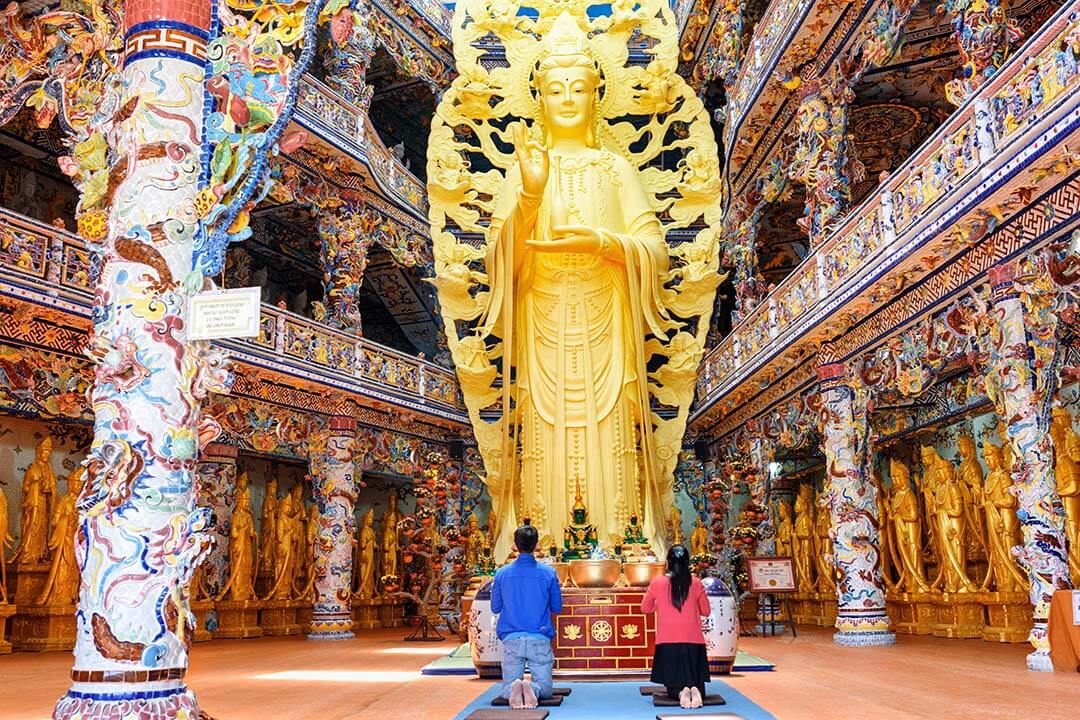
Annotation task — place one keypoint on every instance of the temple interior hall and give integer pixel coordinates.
(529, 359)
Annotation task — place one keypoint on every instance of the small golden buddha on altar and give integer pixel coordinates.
(580, 538)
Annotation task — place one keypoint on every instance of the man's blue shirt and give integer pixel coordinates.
(524, 594)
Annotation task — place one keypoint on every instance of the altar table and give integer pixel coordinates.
(602, 631)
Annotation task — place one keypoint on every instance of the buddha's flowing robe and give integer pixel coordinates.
(574, 329)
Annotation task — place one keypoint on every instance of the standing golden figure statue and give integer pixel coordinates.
(311, 533)
(804, 539)
(577, 289)
(951, 520)
(907, 525)
(675, 525)
(268, 527)
(824, 556)
(288, 539)
(7, 540)
(243, 550)
(785, 530)
(390, 537)
(1067, 473)
(699, 540)
(1003, 525)
(62, 585)
(365, 554)
(886, 552)
(473, 542)
(39, 489)
(971, 484)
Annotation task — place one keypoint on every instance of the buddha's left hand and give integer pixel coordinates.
(571, 239)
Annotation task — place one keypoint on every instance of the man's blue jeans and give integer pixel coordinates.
(517, 652)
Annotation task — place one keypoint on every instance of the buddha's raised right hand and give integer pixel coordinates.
(534, 172)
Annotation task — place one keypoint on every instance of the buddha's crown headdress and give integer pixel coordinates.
(565, 42)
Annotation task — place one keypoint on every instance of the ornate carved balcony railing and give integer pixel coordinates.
(322, 111)
(49, 266)
(1031, 105)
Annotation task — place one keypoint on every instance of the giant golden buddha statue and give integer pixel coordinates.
(576, 291)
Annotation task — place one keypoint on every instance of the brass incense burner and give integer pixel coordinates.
(562, 570)
(640, 574)
(595, 573)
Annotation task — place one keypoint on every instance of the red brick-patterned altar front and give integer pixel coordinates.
(602, 631)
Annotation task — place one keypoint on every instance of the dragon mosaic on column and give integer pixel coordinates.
(474, 118)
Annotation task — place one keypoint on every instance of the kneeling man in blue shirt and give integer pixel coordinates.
(525, 594)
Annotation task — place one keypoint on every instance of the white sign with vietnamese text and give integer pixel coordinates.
(218, 314)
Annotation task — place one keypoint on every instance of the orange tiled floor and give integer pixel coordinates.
(377, 676)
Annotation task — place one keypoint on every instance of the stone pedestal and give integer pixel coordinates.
(959, 615)
(278, 617)
(6, 611)
(366, 614)
(912, 613)
(303, 615)
(29, 582)
(38, 628)
(1008, 616)
(237, 619)
(202, 609)
(392, 613)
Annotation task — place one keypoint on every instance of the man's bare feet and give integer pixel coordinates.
(684, 698)
(528, 695)
(516, 697)
(695, 697)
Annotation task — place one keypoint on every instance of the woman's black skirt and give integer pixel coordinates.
(680, 665)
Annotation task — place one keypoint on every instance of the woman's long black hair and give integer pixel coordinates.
(678, 569)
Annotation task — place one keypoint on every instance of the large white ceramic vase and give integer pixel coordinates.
(721, 628)
(484, 644)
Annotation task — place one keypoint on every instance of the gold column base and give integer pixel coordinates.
(365, 613)
(6, 611)
(40, 628)
(1008, 616)
(802, 609)
(304, 613)
(278, 617)
(912, 613)
(392, 613)
(29, 582)
(959, 615)
(824, 609)
(238, 619)
(200, 609)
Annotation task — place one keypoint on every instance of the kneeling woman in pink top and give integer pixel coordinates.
(680, 662)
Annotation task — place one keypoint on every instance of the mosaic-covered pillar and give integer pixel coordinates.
(861, 618)
(333, 485)
(215, 489)
(822, 160)
(985, 34)
(141, 534)
(344, 248)
(1021, 374)
(349, 49)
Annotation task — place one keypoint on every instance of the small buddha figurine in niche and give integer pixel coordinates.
(699, 540)
(633, 534)
(1002, 524)
(365, 553)
(39, 489)
(907, 524)
(243, 549)
(579, 539)
(675, 524)
(62, 585)
(1067, 474)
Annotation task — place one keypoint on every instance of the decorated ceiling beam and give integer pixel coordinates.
(416, 34)
(711, 44)
(986, 35)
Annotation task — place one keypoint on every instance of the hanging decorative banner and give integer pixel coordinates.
(219, 314)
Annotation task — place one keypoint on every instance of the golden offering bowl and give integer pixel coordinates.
(595, 573)
(562, 570)
(640, 574)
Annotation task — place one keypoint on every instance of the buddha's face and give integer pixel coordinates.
(567, 96)
(579, 516)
